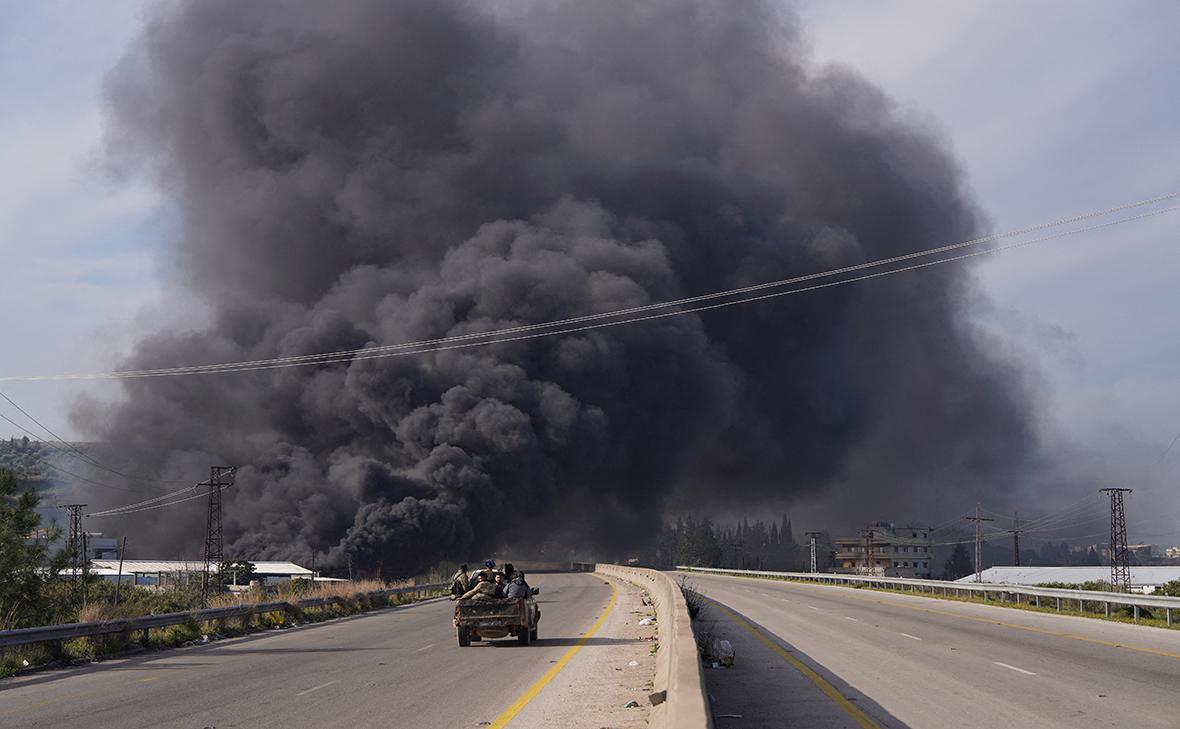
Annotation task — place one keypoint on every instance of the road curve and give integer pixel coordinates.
(826, 656)
(395, 668)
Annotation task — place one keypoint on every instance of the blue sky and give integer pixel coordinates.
(1051, 107)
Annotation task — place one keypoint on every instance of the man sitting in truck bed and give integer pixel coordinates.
(518, 588)
(484, 589)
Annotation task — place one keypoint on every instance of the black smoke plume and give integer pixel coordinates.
(373, 172)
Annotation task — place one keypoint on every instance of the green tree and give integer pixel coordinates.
(959, 564)
(696, 544)
(237, 572)
(1171, 589)
(24, 564)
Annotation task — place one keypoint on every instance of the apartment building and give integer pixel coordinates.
(885, 549)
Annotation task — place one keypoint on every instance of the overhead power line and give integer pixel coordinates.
(123, 510)
(562, 326)
(148, 508)
(145, 502)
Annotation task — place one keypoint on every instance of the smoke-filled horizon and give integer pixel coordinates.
(379, 172)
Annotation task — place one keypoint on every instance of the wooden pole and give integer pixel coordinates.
(119, 577)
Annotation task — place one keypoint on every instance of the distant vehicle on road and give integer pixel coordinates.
(498, 618)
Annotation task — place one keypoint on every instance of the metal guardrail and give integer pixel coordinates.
(69, 631)
(944, 587)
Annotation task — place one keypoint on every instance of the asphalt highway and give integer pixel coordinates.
(395, 668)
(828, 656)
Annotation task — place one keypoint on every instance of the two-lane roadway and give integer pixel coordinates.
(812, 655)
(394, 668)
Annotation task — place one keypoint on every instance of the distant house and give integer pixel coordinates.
(886, 550)
(1142, 552)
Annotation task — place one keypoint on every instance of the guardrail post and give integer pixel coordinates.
(1038, 599)
(1059, 604)
(1136, 612)
(1168, 613)
(1106, 605)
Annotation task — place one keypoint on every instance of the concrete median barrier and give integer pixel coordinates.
(678, 664)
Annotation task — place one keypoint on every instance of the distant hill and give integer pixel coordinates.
(26, 457)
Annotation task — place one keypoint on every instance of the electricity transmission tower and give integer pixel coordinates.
(74, 542)
(813, 535)
(220, 478)
(978, 540)
(1120, 557)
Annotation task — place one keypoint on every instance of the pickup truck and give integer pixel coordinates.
(485, 619)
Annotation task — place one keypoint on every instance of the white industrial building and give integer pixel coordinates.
(158, 572)
(1143, 579)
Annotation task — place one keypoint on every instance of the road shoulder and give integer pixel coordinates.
(597, 685)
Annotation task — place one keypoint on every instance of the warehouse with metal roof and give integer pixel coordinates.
(1143, 579)
(155, 572)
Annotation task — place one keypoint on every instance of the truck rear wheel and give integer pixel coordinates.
(464, 636)
(523, 636)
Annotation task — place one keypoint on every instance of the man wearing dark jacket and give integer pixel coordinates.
(518, 588)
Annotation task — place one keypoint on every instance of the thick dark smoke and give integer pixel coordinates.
(376, 172)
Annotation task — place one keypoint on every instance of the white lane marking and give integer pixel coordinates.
(425, 648)
(784, 599)
(316, 688)
(813, 607)
(1014, 668)
(911, 637)
(852, 619)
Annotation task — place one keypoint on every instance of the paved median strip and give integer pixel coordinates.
(857, 714)
(518, 706)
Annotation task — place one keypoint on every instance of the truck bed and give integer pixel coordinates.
(492, 613)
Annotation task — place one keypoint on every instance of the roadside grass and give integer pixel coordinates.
(347, 598)
(1122, 615)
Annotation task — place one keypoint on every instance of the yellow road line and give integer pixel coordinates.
(518, 706)
(991, 621)
(858, 715)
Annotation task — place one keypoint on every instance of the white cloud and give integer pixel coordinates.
(78, 251)
(1055, 108)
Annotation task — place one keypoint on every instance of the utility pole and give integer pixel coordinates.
(870, 563)
(1120, 557)
(119, 577)
(220, 478)
(813, 535)
(1015, 539)
(74, 541)
(85, 563)
(978, 540)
